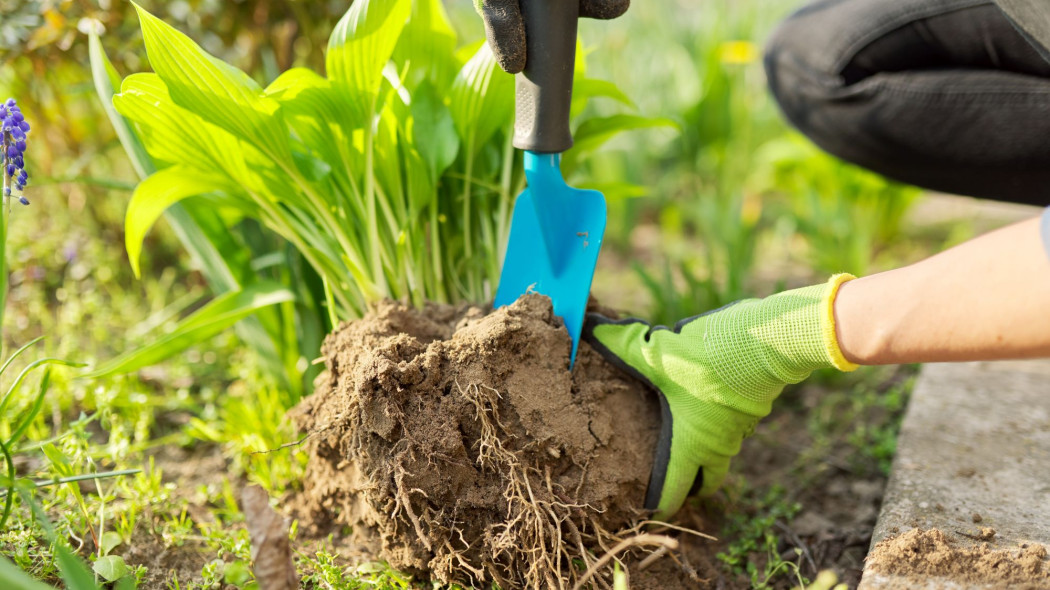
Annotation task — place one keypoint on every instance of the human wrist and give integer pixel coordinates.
(829, 327)
(866, 313)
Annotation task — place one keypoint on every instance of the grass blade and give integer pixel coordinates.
(7, 363)
(75, 572)
(10, 477)
(25, 373)
(43, 483)
(13, 578)
(38, 402)
(107, 80)
(218, 315)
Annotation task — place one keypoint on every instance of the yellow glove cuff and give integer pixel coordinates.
(831, 339)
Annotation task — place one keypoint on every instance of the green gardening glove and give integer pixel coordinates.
(505, 29)
(717, 375)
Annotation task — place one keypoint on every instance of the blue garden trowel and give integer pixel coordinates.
(556, 231)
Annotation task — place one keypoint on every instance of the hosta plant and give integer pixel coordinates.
(391, 175)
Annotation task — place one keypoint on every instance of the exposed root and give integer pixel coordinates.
(641, 540)
(477, 458)
(663, 526)
(543, 528)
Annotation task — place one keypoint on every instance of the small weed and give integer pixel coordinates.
(865, 413)
(251, 424)
(751, 524)
(323, 570)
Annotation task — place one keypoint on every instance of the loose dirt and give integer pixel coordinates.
(923, 554)
(458, 446)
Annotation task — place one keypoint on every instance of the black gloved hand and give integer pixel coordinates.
(505, 29)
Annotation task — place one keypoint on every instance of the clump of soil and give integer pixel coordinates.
(458, 445)
(928, 553)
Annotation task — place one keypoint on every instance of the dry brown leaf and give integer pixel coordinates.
(271, 550)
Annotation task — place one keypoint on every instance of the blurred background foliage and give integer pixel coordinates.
(733, 203)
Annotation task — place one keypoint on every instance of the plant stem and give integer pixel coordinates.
(468, 244)
(440, 293)
(278, 222)
(43, 483)
(378, 276)
(323, 209)
(329, 301)
(502, 215)
(10, 485)
(5, 210)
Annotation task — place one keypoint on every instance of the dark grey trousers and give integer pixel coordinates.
(944, 94)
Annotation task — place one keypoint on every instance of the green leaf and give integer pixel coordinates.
(585, 89)
(59, 461)
(293, 82)
(592, 133)
(13, 578)
(616, 190)
(322, 117)
(200, 245)
(154, 195)
(110, 541)
(237, 573)
(211, 88)
(218, 315)
(311, 167)
(175, 135)
(481, 99)
(433, 131)
(427, 47)
(170, 133)
(360, 47)
(111, 567)
(106, 81)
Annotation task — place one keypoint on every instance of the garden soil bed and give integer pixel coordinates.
(456, 446)
(398, 360)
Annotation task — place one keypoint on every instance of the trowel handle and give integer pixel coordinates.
(544, 89)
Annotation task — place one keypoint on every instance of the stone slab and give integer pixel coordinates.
(975, 441)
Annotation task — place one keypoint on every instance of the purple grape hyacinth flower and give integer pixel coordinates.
(13, 132)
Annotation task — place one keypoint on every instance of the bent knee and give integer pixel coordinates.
(804, 59)
(798, 86)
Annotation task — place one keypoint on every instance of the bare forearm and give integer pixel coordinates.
(986, 299)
